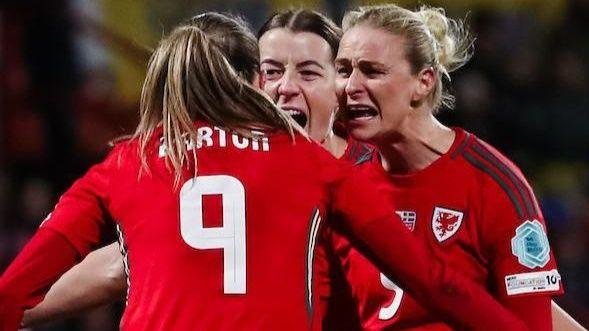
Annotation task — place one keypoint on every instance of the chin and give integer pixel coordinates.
(362, 134)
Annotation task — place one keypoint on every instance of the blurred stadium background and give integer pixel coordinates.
(71, 70)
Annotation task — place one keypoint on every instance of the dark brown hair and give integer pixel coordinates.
(304, 20)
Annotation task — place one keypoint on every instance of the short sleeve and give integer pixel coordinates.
(80, 214)
(522, 262)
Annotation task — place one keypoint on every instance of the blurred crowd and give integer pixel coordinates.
(70, 74)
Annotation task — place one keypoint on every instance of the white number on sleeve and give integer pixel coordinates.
(230, 237)
(386, 313)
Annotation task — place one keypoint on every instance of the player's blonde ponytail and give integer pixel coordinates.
(203, 71)
(453, 44)
(432, 39)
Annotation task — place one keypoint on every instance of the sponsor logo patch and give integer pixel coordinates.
(530, 245)
(446, 222)
(408, 217)
(533, 282)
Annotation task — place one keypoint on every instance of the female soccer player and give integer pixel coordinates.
(297, 51)
(297, 48)
(218, 210)
(469, 203)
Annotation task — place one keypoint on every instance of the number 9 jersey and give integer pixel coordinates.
(230, 249)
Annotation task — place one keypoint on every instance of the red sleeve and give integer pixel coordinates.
(72, 230)
(362, 199)
(24, 284)
(80, 215)
(523, 271)
(322, 284)
(340, 311)
(515, 237)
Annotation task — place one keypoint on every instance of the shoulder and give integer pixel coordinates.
(122, 153)
(498, 176)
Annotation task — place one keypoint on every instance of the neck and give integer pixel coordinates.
(420, 142)
(335, 145)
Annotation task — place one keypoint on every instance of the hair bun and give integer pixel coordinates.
(452, 41)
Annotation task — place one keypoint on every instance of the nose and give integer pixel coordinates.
(354, 86)
(288, 87)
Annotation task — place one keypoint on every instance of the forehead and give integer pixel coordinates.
(363, 42)
(283, 45)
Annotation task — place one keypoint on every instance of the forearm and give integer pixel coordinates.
(27, 279)
(459, 300)
(99, 279)
(561, 321)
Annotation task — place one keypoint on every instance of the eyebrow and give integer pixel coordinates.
(309, 63)
(365, 63)
(273, 62)
(361, 63)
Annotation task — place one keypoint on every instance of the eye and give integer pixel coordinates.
(309, 74)
(272, 73)
(371, 71)
(343, 71)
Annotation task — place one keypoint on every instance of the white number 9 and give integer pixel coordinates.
(230, 237)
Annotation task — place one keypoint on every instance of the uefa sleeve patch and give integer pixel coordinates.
(530, 245)
(533, 282)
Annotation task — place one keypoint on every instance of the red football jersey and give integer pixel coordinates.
(475, 210)
(232, 249)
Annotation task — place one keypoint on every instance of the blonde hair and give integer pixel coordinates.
(203, 71)
(432, 40)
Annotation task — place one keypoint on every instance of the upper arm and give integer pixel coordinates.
(82, 212)
(522, 265)
(363, 195)
(522, 262)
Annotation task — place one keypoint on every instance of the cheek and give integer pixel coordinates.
(321, 99)
(392, 95)
(271, 88)
(340, 87)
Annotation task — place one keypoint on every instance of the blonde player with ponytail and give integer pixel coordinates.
(467, 202)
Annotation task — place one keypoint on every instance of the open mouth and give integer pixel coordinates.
(360, 112)
(298, 116)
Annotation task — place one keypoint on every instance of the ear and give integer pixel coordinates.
(426, 81)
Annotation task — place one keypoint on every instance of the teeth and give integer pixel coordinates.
(360, 108)
(293, 112)
(361, 112)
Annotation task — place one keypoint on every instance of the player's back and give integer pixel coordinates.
(230, 249)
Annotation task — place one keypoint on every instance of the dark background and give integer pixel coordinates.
(71, 71)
